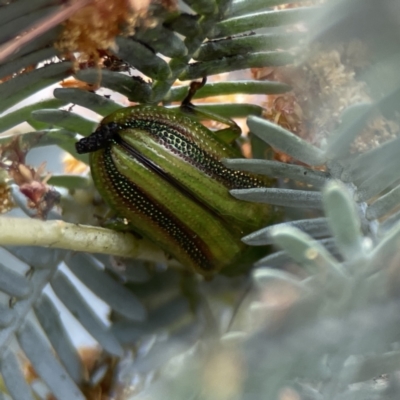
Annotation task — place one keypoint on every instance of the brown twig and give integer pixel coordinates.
(40, 27)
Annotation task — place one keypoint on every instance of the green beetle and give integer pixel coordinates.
(161, 170)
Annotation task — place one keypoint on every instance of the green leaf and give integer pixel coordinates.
(132, 87)
(235, 63)
(24, 85)
(143, 59)
(286, 141)
(99, 104)
(22, 114)
(263, 19)
(65, 119)
(70, 181)
(343, 220)
(227, 88)
(231, 46)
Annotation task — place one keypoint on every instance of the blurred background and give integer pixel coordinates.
(315, 88)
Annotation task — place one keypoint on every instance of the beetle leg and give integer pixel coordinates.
(228, 135)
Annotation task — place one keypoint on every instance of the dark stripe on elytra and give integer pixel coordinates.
(137, 200)
(152, 166)
(189, 151)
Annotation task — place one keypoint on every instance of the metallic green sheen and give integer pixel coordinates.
(182, 201)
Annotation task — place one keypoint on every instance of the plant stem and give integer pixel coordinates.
(63, 235)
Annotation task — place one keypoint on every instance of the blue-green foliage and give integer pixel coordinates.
(317, 320)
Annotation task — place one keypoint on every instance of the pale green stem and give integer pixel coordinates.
(75, 237)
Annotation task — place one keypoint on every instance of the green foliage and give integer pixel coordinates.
(318, 318)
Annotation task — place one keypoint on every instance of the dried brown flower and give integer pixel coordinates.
(32, 182)
(6, 203)
(92, 30)
(324, 85)
(95, 27)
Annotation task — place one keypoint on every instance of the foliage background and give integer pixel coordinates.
(317, 319)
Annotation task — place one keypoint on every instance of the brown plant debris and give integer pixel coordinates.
(93, 29)
(324, 84)
(32, 182)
